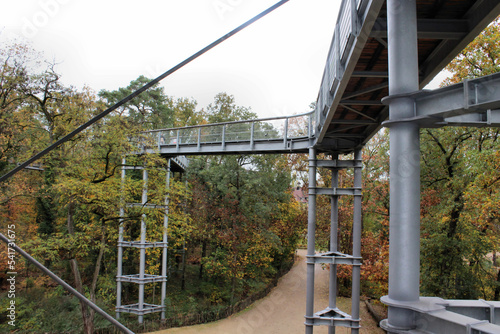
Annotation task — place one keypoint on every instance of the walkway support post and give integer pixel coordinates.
(142, 260)
(119, 268)
(334, 242)
(404, 231)
(165, 241)
(356, 241)
(311, 239)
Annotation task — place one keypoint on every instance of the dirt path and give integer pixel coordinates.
(282, 311)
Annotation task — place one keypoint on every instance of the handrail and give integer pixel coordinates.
(346, 30)
(279, 128)
(232, 122)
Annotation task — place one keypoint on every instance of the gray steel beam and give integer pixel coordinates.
(366, 90)
(361, 102)
(345, 136)
(470, 96)
(180, 163)
(142, 256)
(357, 112)
(335, 258)
(165, 241)
(369, 74)
(244, 147)
(311, 241)
(428, 28)
(436, 315)
(356, 243)
(479, 16)
(334, 230)
(353, 122)
(339, 164)
(404, 231)
(477, 309)
(119, 269)
(338, 191)
(337, 144)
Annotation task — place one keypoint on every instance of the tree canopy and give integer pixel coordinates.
(67, 210)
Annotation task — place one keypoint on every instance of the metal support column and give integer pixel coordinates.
(356, 242)
(142, 308)
(165, 241)
(332, 316)
(142, 260)
(119, 269)
(334, 247)
(311, 240)
(404, 233)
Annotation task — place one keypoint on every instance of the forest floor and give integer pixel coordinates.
(282, 311)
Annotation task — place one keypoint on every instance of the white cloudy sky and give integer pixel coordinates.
(274, 66)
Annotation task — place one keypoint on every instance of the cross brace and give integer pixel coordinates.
(428, 28)
(473, 102)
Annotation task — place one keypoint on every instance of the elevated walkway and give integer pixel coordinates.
(349, 108)
(352, 105)
(289, 134)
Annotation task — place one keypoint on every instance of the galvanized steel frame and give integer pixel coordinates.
(331, 316)
(141, 308)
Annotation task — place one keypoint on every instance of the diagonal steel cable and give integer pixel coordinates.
(65, 285)
(139, 91)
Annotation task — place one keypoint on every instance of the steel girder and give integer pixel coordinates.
(436, 315)
(474, 102)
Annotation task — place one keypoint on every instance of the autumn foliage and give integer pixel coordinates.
(233, 223)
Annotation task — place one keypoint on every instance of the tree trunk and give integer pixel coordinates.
(96, 275)
(233, 288)
(203, 254)
(497, 288)
(183, 282)
(87, 317)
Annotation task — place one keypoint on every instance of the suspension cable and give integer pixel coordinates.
(139, 91)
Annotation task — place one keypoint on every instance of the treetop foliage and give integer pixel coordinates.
(235, 222)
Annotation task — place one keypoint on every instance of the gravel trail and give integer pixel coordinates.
(282, 311)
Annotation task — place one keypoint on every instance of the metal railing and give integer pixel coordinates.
(346, 30)
(249, 131)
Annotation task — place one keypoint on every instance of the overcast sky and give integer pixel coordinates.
(274, 66)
